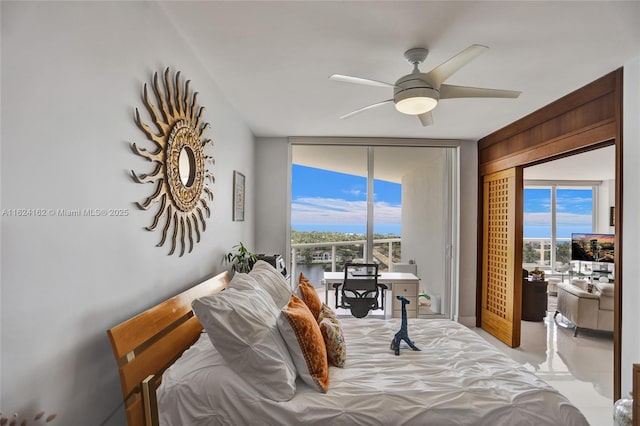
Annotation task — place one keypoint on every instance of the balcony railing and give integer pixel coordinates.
(544, 258)
(333, 258)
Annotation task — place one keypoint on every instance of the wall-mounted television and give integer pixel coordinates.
(592, 247)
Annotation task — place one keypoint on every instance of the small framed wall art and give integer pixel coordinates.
(238, 196)
(612, 216)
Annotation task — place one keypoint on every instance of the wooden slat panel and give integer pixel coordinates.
(500, 291)
(130, 334)
(159, 354)
(497, 326)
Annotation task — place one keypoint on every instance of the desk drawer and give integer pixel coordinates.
(405, 289)
(412, 306)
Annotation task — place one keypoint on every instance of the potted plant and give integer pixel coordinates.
(241, 260)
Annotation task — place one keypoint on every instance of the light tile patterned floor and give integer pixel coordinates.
(581, 367)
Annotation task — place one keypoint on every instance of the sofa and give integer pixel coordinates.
(586, 310)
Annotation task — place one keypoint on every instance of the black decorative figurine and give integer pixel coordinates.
(402, 334)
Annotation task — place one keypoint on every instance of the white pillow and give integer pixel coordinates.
(242, 325)
(273, 281)
(245, 282)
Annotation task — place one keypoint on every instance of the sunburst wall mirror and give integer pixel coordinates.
(180, 175)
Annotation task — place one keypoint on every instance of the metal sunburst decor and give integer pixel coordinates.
(180, 173)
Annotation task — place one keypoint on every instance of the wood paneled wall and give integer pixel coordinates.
(581, 119)
(585, 119)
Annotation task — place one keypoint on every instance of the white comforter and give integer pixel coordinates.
(457, 379)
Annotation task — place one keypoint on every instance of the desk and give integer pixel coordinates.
(400, 283)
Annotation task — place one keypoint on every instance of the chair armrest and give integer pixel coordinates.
(383, 286)
(336, 285)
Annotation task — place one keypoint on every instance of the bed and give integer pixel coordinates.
(181, 378)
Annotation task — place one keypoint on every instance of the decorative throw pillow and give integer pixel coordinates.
(273, 281)
(242, 324)
(310, 296)
(326, 312)
(334, 341)
(302, 334)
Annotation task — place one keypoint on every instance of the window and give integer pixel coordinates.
(552, 212)
(382, 204)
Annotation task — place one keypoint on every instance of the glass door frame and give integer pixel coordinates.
(452, 234)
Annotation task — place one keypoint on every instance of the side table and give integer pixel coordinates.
(534, 300)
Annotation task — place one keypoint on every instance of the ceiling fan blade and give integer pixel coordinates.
(443, 71)
(358, 111)
(448, 92)
(426, 119)
(358, 80)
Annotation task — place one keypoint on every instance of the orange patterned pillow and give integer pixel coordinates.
(306, 345)
(310, 296)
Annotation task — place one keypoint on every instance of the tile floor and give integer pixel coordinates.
(581, 367)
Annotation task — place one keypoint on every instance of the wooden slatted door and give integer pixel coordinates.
(502, 255)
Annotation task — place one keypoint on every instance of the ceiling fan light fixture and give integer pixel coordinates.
(415, 100)
(416, 105)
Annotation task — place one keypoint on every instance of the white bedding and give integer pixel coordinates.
(457, 379)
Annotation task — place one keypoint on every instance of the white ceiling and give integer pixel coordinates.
(599, 164)
(390, 163)
(273, 59)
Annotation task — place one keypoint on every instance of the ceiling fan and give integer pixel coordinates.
(418, 93)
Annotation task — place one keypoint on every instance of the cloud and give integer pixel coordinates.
(541, 219)
(354, 192)
(340, 211)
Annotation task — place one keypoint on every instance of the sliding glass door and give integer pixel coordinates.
(391, 205)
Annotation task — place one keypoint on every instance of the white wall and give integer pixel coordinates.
(606, 199)
(423, 222)
(631, 231)
(72, 74)
(272, 196)
(468, 233)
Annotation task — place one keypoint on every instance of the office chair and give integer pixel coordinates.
(360, 291)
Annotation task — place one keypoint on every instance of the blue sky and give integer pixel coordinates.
(573, 212)
(330, 201)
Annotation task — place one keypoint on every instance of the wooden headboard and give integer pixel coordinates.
(145, 345)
